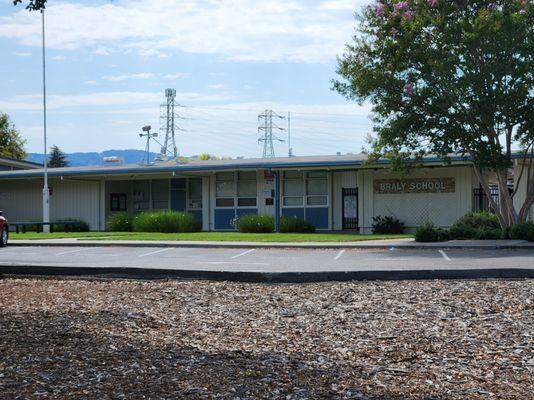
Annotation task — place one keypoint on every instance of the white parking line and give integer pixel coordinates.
(339, 254)
(445, 256)
(73, 251)
(156, 252)
(231, 262)
(242, 254)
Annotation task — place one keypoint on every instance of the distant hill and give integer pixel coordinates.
(84, 159)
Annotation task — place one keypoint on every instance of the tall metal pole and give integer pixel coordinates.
(46, 191)
(290, 150)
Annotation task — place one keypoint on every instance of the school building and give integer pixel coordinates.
(334, 193)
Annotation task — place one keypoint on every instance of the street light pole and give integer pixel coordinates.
(46, 191)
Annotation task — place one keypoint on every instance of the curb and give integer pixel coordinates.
(26, 271)
(274, 245)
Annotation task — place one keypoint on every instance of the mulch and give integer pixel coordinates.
(119, 339)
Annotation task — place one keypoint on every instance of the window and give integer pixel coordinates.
(305, 189)
(240, 192)
(224, 189)
(316, 189)
(246, 189)
(293, 189)
(195, 194)
(118, 202)
(160, 194)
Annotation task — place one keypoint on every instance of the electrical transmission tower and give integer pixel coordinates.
(265, 129)
(168, 119)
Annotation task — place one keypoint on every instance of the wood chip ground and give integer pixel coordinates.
(117, 339)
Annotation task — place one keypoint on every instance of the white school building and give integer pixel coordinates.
(334, 193)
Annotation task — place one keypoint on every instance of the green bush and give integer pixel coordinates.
(477, 225)
(430, 233)
(387, 225)
(166, 222)
(252, 223)
(295, 225)
(120, 222)
(80, 226)
(523, 231)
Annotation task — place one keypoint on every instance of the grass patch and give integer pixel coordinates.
(210, 236)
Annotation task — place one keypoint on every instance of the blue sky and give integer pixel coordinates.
(109, 62)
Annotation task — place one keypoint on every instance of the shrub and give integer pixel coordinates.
(120, 222)
(295, 225)
(252, 223)
(430, 233)
(523, 231)
(166, 222)
(477, 225)
(387, 225)
(79, 226)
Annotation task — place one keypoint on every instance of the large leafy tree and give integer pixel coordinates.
(11, 143)
(449, 77)
(57, 158)
(33, 5)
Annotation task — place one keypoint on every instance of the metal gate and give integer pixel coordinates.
(350, 208)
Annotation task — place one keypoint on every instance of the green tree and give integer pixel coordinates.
(11, 143)
(33, 5)
(57, 158)
(448, 77)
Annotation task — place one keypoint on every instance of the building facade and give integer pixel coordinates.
(334, 193)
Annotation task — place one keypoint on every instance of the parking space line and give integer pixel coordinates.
(231, 263)
(73, 251)
(445, 256)
(339, 254)
(244, 253)
(156, 252)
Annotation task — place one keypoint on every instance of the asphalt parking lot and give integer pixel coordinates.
(266, 260)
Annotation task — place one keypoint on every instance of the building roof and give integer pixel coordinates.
(347, 161)
(14, 163)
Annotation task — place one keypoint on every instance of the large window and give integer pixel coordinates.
(224, 189)
(195, 194)
(305, 188)
(118, 202)
(317, 189)
(293, 188)
(160, 194)
(233, 189)
(246, 189)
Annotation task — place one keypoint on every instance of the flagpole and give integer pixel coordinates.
(46, 191)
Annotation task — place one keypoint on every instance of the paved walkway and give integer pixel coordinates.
(267, 265)
(364, 244)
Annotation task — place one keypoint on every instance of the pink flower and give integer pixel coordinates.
(493, 7)
(432, 3)
(393, 31)
(380, 9)
(522, 12)
(408, 15)
(400, 6)
(408, 89)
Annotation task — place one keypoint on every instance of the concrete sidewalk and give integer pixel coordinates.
(365, 244)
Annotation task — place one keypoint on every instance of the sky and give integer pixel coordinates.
(109, 63)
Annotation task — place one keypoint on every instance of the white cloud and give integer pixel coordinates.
(22, 54)
(217, 86)
(277, 30)
(59, 58)
(153, 53)
(176, 76)
(142, 75)
(101, 51)
(104, 99)
(90, 82)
